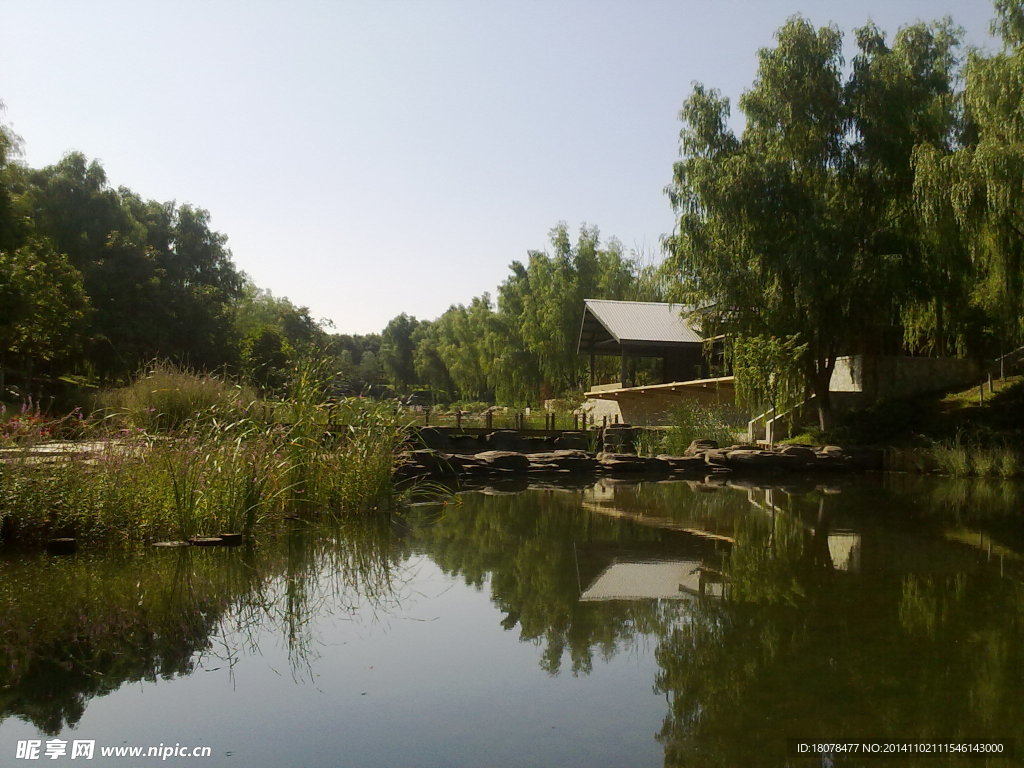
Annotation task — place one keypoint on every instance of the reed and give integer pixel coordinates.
(952, 458)
(961, 459)
(210, 474)
(690, 421)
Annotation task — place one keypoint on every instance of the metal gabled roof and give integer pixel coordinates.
(609, 325)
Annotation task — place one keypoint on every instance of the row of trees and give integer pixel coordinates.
(98, 281)
(872, 209)
(521, 348)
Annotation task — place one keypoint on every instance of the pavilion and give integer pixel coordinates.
(691, 364)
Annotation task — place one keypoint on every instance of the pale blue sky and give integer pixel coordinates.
(372, 158)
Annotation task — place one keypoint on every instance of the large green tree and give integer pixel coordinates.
(523, 349)
(161, 281)
(42, 306)
(977, 190)
(397, 350)
(800, 228)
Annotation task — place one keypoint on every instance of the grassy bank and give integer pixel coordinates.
(177, 455)
(966, 432)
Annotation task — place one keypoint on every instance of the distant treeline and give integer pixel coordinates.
(96, 282)
(522, 348)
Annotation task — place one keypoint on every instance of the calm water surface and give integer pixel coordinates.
(615, 624)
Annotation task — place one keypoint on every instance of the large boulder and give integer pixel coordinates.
(801, 453)
(464, 444)
(714, 456)
(432, 437)
(763, 461)
(535, 444)
(630, 463)
(621, 463)
(470, 465)
(579, 441)
(568, 460)
(685, 463)
(504, 460)
(503, 440)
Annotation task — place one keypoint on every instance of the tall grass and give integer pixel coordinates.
(691, 421)
(959, 458)
(952, 458)
(166, 398)
(210, 474)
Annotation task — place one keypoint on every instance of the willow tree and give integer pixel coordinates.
(982, 182)
(760, 243)
(397, 351)
(902, 100)
(799, 228)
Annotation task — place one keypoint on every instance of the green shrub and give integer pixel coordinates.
(1010, 464)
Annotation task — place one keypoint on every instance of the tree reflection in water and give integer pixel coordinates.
(801, 649)
(75, 628)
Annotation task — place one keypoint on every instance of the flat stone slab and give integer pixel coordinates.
(505, 460)
(685, 463)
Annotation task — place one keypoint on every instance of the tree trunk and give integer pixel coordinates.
(825, 419)
(820, 380)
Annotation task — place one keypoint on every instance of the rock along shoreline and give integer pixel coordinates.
(505, 453)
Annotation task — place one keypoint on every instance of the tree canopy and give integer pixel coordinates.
(521, 347)
(826, 223)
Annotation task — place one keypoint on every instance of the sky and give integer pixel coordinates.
(371, 158)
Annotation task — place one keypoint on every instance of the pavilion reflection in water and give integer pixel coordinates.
(660, 580)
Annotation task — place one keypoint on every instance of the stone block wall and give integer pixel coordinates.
(880, 378)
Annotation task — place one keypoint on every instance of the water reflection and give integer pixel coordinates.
(80, 627)
(857, 609)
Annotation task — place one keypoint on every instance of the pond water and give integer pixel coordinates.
(611, 624)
